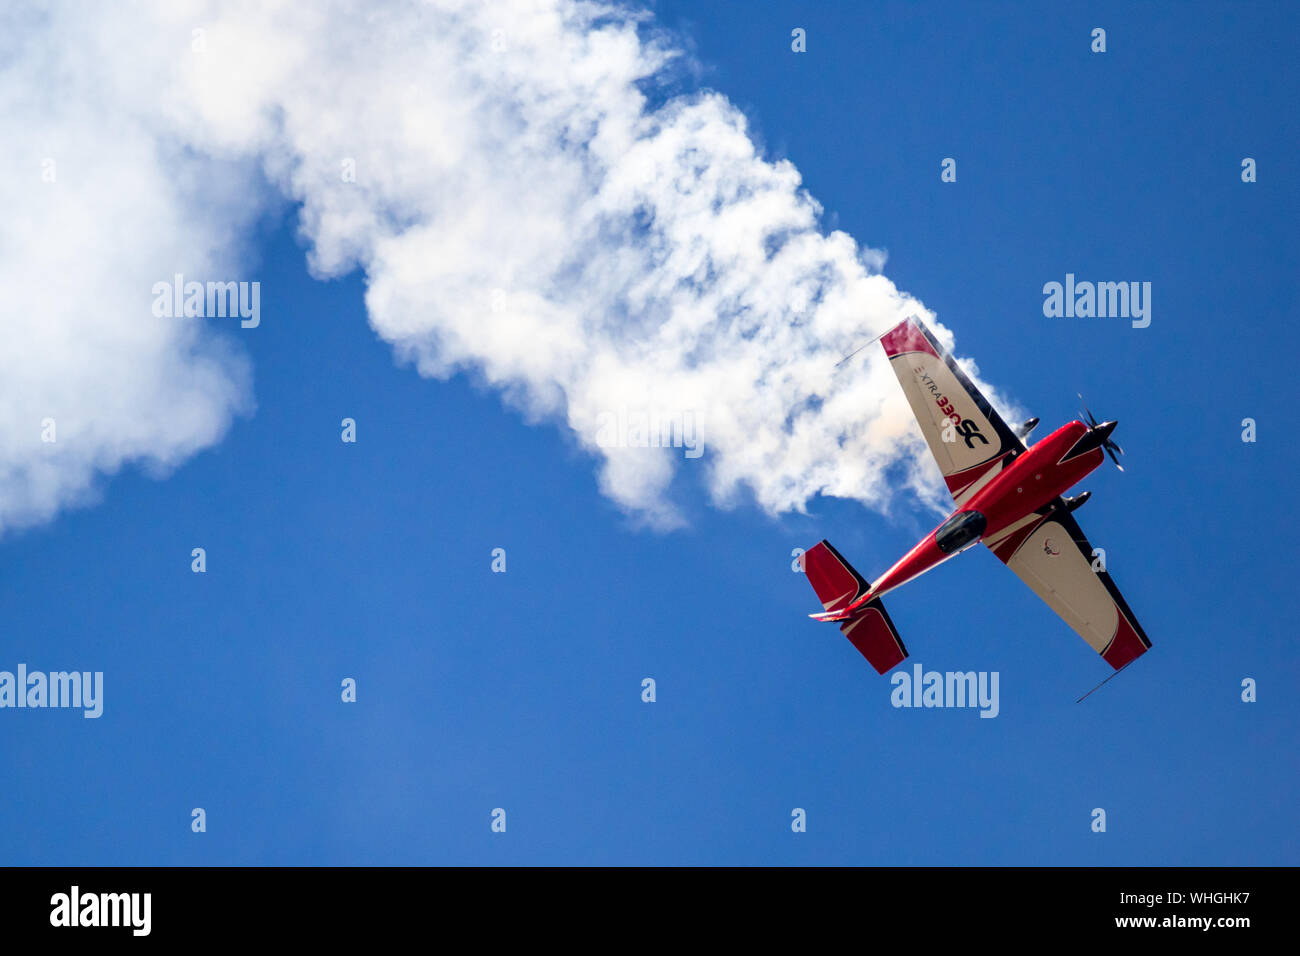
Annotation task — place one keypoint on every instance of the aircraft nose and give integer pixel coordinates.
(1105, 428)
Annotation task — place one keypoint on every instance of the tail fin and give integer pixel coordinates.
(838, 585)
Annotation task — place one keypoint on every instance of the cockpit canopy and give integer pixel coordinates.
(961, 529)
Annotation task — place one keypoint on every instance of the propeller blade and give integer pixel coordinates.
(1111, 446)
(1092, 422)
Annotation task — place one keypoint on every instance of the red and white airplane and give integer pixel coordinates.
(1008, 496)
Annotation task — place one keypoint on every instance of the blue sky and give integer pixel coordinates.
(522, 690)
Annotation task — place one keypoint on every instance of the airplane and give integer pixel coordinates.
(1008, 496)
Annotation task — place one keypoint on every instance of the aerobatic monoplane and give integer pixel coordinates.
(1008, 496)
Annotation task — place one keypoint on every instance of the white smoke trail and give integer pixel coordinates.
(520, 207)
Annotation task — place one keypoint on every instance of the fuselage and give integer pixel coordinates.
(1026, 481)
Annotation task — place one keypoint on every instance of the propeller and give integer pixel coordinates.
(1110, 445)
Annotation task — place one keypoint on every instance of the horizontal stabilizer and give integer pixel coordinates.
(836, 583)
(874, 635)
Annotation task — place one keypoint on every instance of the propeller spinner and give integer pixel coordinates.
(1111, 446)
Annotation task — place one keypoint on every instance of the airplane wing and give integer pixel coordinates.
(978, 443)
(1049, 552)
